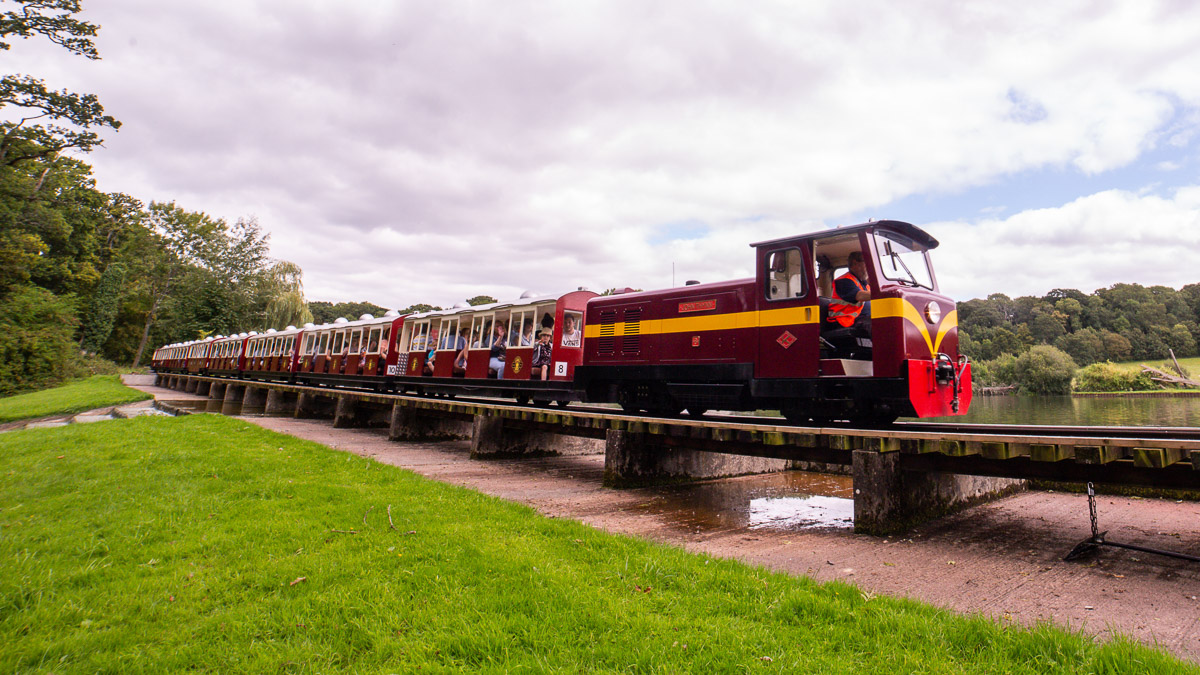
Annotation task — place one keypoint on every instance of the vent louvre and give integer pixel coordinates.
(631, 338)
(607, 342)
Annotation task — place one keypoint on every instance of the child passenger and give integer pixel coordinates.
(541, 355)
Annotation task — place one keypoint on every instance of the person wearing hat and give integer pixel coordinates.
(541, 355)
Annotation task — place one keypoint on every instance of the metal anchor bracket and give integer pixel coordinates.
(1097, 540)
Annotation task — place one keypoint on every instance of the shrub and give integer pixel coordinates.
(997, 372)
(37, 340)
(1045, 370)
(1107, 376)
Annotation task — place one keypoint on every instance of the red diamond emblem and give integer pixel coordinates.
(786, 339)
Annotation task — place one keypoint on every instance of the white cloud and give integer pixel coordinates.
(430, 151)
(1093, 242)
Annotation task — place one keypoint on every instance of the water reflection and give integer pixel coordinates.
(784, 513)
(1069, 410)
(788, 500)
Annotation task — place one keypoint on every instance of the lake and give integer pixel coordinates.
(1068, 410)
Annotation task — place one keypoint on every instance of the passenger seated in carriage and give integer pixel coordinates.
(496, 357)
(542, 355)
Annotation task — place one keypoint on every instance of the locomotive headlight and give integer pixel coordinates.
(933, 313)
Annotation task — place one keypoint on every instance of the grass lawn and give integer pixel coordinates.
(1191, 364)
(206, 543)
(97, 391)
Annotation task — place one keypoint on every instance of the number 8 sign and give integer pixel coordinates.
(560, 368)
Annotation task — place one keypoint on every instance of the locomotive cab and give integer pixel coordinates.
(883, 328)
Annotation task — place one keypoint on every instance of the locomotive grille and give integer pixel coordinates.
(608, 343)
(631, 338)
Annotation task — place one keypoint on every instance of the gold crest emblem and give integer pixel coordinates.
(517, 365)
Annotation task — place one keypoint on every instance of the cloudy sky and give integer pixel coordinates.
(408, 152)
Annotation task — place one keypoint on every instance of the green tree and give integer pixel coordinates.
(1085, 346)
(26, 139)
(327, 312)
(1045, 370)
(102, 310)
(286, 305)
(37, 339)
(481, 300)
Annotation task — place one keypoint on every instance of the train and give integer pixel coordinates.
(769, 342)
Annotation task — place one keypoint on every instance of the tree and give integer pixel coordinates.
(327, 312)
(1085, 346)
(23, 140)
(419, 308)
(481, 300)
(1045, 370)
(106, 300)
(37, 339)
(286, 306)
(176, 241)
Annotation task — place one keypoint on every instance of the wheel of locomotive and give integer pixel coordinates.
(696, 411)
(797, 415)
(627, 399)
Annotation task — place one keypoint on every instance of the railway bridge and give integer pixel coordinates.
(903, 475)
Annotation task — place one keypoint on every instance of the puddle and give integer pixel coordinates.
(791, 500)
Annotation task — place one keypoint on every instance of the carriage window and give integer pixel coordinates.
(521, 331)
(355, 341)
(324, 346)
(290, 346)
(785, 275)
(903, 260)
(384, 341)
(572, 335)
(481, 331)
(421, 333)
(373, 342)
(336, 347)
(449, 333)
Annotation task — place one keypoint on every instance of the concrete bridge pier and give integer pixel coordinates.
(492, 438)
(216, 397)
(191, 385)
(254, 401)
(202, 387)
(310, 406)
(410, 424)
(160, 379)
(280, 402)
(637, 459)
(234, 393)
(890, 500)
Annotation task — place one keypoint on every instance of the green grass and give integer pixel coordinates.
(206, 543)
(1191, 364)
(97, 391)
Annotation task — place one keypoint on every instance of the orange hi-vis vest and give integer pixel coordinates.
(844, 313)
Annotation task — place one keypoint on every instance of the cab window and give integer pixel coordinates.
(785, 275)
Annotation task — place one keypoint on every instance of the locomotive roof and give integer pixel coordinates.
(907, 229)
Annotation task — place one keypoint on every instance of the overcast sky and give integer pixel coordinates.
(407, 152)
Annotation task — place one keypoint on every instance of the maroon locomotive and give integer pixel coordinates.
(782, 340)
(768, 342)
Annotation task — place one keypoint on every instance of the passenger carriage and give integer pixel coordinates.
(358, 353)
(225, 355)
(767, 343)
(271, 355)
(459, 342)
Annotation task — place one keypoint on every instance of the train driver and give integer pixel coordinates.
(853, 295)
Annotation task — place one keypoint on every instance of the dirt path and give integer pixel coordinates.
(1002, 559)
